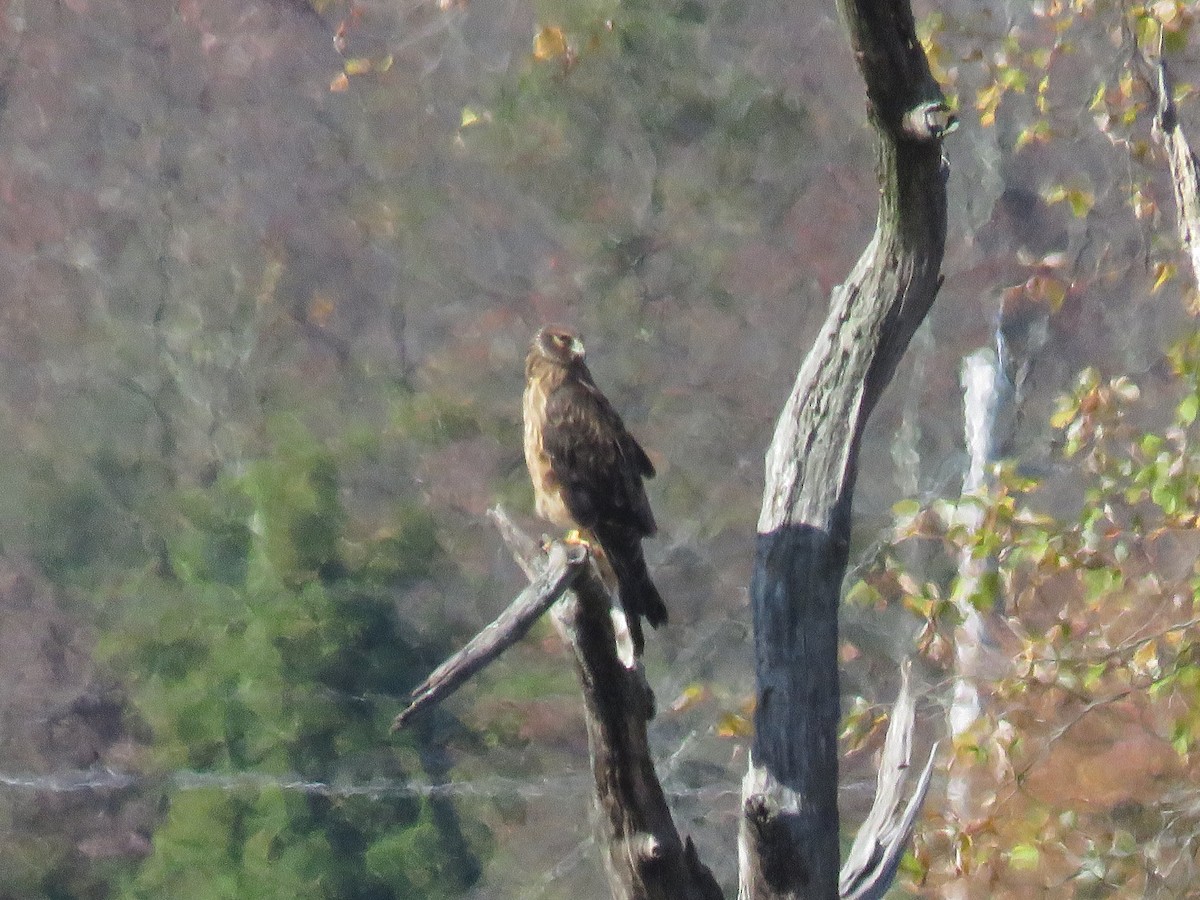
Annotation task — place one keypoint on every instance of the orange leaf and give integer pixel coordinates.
(320, 309)
(549, 43)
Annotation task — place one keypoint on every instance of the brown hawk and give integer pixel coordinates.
(587, 470)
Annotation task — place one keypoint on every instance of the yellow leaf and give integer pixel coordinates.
(320, 309)
(986, 101)
(1081, 202)
(732, 725)
(691, 695)
(1054, 292)
(1146, 658)
(357, 66)
(549, 43)
(1039, 131)
(1163, 272)
(1065, 414)
(1024, 857)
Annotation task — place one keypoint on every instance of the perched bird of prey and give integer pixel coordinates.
(587, 470)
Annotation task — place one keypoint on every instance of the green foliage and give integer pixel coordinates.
(263, 650)
(78, 530)
(1103, 614)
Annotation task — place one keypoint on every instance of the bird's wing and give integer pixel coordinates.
(598, 463)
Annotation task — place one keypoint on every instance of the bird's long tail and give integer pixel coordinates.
(639, 596)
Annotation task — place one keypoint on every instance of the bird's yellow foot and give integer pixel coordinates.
(575, 536)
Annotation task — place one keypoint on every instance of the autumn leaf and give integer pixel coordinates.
(1038, 132)
(1079, 199)
(549, 43)
(320, 310)
(987, 101)
(1145, 660)
(732, 725)
(1024, 856)
(1163, 272)
(692, 695)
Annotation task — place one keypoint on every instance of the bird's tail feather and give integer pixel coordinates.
(639, 596)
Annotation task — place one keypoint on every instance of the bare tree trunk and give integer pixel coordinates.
(989, 399)
(789, 843)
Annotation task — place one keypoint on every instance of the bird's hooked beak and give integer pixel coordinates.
(577, 350)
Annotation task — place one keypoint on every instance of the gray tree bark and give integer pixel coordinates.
(789, 842)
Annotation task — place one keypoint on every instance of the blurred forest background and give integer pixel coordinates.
(269, 273)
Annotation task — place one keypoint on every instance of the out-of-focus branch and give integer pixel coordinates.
(873, 859)
(1185, 169)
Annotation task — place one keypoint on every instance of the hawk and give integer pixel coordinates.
(587, 469)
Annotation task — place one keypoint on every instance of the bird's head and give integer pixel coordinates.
(559, 344)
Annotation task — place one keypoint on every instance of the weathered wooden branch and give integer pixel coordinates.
(644, 854)
(645, 857)
(789, 838)
(562, 567)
